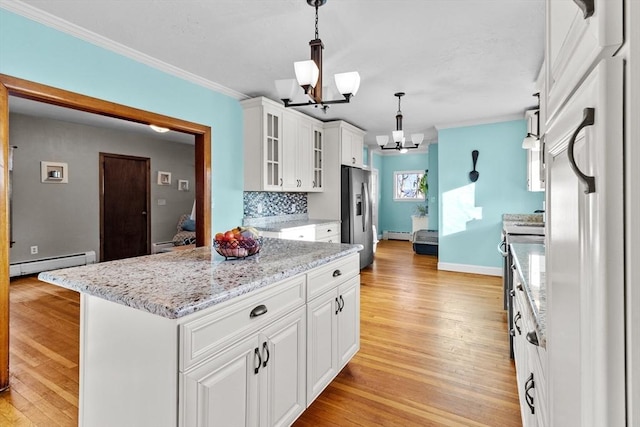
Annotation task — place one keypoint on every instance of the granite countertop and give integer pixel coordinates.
(523, 224)
(530, 262)
(179, 283)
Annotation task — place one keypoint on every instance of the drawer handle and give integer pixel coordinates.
(519, 287)
(258, 311)
(337, 273)
(532, 337)
(587, 7)
(329, 230)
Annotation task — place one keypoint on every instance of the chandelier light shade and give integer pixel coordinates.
(309, 76)
(398, 134)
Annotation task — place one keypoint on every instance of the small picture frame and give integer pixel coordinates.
(54, 172)
(164, 178)
(183, 185)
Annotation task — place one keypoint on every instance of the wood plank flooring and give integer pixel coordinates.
(434, 352)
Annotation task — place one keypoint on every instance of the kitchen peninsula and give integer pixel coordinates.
(187, 338)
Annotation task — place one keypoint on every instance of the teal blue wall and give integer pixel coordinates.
(501, 188)
(32, 51)
(432, 194)
(392, 215)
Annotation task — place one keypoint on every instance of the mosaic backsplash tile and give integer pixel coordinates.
(260, 204)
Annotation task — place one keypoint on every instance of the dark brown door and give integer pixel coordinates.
(124, 206)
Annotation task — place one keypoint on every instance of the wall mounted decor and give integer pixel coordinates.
(474, 174)
(54, 172)
(183, 185)
(164, 178)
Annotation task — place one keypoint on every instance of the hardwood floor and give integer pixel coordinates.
(434, 352)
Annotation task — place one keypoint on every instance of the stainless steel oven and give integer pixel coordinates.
(514, 234)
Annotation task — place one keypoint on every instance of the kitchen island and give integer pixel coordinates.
(187, 338)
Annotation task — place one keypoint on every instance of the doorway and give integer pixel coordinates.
(38, 92)
(124, 206)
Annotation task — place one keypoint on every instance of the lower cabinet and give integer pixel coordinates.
(259, 381)
(530, 360)
(334, 334)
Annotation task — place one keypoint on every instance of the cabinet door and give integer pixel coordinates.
(351, 145)
(322, 321)
(348, 321)
(304, 164)
(224, 390)
(283, 374)
(576, 43)
(317, 160)
(290, 152)
(272, 132)
(584, 280)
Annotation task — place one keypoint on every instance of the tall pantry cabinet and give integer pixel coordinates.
(585, 254)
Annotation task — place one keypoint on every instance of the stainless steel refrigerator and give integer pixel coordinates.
(356, 211)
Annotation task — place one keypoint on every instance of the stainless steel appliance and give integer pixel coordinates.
(514, 233)
(356, 212)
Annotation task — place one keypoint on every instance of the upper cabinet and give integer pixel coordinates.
(579, 33)
(263, 160)
(282, 148)
(351, 146)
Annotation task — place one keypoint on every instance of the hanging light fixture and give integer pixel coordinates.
(398, 134)
(309, 76)
(532, 140)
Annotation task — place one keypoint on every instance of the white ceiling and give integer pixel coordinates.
(459, 61)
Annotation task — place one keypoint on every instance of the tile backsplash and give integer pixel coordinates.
(259, 204)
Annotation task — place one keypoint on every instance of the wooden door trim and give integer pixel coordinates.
(101, 192)
(42, 93)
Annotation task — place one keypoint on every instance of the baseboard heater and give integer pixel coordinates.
(396, 235)
(53, 263)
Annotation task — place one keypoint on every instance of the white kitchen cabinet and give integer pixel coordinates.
(585, 253)
(326, 205)
(575, 43)
(263, 157)
(530, 359)
(351, 144)
(259, 381)
(334, 334)
(282, 148)
(298, 171)
(326, 232)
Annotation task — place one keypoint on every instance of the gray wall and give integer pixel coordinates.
(65, 218)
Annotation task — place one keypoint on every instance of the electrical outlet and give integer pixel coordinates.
(259, 208)
(293, 208)
(162, 202)
(34, 250)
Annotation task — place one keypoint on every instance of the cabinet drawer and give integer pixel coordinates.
(201, 337)
(329, 230)
(331, 275)
(299, 233)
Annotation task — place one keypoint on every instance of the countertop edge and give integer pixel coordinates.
(178, 312)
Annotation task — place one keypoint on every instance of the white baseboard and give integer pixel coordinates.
(465, 268)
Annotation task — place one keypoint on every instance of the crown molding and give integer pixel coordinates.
(74, 30)
(486, 121)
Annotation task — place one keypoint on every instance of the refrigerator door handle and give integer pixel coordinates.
(365, 195)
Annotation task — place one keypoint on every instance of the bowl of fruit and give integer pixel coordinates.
(239, 242)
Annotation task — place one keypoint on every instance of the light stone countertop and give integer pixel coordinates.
(530, 262)
(179, 283)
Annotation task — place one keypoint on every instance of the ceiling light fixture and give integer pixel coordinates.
(159, 129)
(309, 76)
(532, 140)
(398, 134)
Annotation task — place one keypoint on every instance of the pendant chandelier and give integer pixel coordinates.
(309, 76)
(398, 134)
